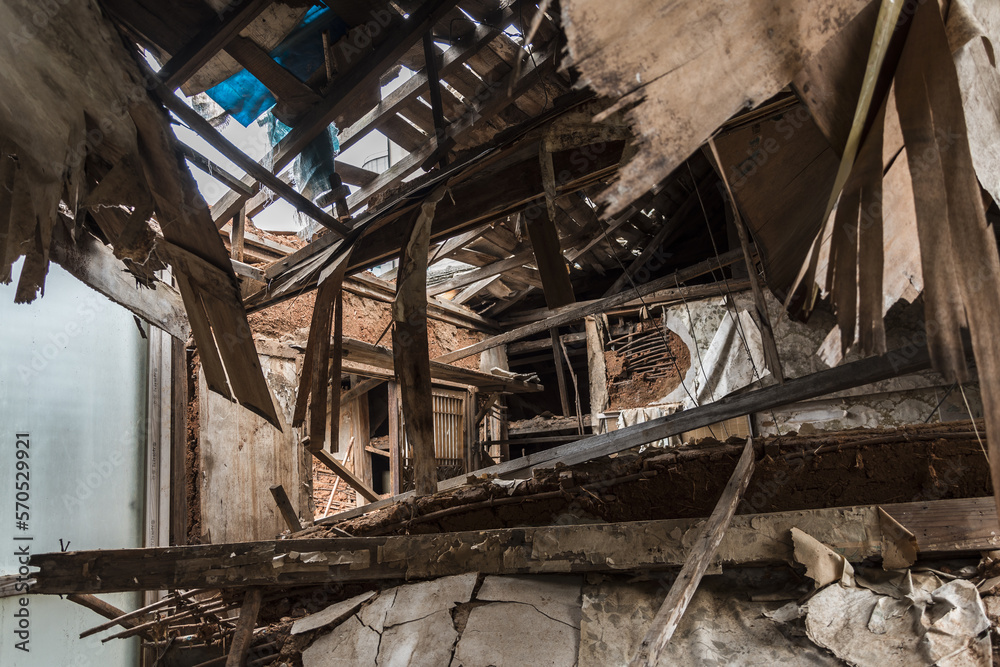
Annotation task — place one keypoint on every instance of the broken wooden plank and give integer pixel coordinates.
(575, 313)
(288, 512)
(247, 271)
(855, 532)
(771, 358)
(341, 471)
(95, 264)
(702, 554)
(245, 626)
(865, 371)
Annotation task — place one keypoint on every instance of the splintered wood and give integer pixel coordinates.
(410, 347)
(740, 48)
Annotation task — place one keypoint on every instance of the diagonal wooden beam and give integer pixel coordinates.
(209, 41)
(495, 97)
(204, 129)
(343, 93)
(700, 557)
(215, 171)
(292, 94)
(578, 312)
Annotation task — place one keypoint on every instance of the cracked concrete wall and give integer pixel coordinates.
(457, 621)
(741, 616)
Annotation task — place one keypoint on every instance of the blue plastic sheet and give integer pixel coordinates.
(301, 52)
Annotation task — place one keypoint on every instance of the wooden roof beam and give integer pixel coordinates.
(341, 95)
(209, 41)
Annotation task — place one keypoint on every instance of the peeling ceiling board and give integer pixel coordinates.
(777, 168)
(74, 104)
(690, 66)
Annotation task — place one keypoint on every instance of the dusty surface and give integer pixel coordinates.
(924, 463)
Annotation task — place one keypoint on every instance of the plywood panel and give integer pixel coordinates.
(242, 456)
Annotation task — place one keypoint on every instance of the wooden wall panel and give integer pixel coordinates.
(242, 456)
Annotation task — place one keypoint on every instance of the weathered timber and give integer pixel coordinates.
(568, 315)
(288, 512)
(411, 360)
(342, 472)
(856, 532)
(703, 550)
(208, 42)
(95, 264)
(243, 635)
(381, 357)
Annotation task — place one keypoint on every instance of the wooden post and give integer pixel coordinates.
(395, 441)
(496, 357)
(597, 371)
(470, 430)
(699, 558)
(434, 86)
(551, 267)
(237, 234)
(245, 625)
(178, 442)
(288, 512)
(410, 347)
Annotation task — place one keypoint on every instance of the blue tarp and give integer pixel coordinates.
(301, 53)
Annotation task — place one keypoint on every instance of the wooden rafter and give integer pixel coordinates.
(208, 42)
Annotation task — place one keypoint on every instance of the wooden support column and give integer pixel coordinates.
(471, 458)
(431, 58)
(552, 267)
(243, 635)
(236, 234)
(557, 356)
(395, 441)
(496, 357)
(699, 558)
(410, 347)
(178, 442)
(597, 372)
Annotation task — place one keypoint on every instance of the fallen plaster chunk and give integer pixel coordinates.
(823, 564)
(349, 644)
(946, 628)
(374, 614)
(555, 596)
(422, 599)
(513, 634)
(332, 614)
(425, 641)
